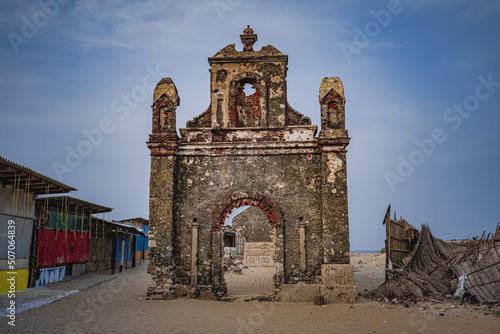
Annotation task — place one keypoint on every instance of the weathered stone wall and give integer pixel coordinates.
(267, 77)
(161, 197)
(335, 210)
(204, 182)
(253, 224)
(246, 149)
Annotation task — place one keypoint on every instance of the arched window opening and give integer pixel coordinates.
(248, 109)
(248, 89)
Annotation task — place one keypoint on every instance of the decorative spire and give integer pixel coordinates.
(248, 39)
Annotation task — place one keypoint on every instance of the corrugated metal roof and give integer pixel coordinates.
(129, 225)
(139, 219)
(56, 202)
(121, 226)
(21, 177)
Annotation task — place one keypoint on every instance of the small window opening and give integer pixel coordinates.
(248, 89)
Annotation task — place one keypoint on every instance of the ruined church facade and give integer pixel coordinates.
(249, 148)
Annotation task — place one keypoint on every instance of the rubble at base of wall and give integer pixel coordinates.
(202, 292)
(233, 263)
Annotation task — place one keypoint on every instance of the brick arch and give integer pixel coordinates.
(247, 197)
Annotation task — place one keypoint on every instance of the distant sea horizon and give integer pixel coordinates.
(365, 251)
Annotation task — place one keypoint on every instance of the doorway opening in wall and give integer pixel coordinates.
(249, 252)
(69, 269)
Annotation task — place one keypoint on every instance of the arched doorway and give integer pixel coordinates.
(248, 258)
(248, 198)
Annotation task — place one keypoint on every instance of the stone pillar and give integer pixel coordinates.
(194, 252)
(163, 144)
(333, 140)
(302, 246)
(279, 261)
(334, 207)
(337, 283)
(161, 263)
(219, 287)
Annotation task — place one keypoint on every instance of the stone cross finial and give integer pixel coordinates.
(248, 38)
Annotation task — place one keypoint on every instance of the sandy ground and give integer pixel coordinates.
(119, 306)
(368, 275)
(254, 280)
(368, 270)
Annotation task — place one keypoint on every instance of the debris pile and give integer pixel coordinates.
(233, 263)
(436, 267)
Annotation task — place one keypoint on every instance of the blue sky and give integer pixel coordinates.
(87, 65)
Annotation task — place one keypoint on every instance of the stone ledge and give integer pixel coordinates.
(340, 294)
(306, 292)
(298, 292)
(337, 274)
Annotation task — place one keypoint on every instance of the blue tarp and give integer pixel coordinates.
(126, 253)
(142, 241)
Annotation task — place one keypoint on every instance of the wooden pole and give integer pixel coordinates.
(122, 252)
(387, 222)
(113, 254)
